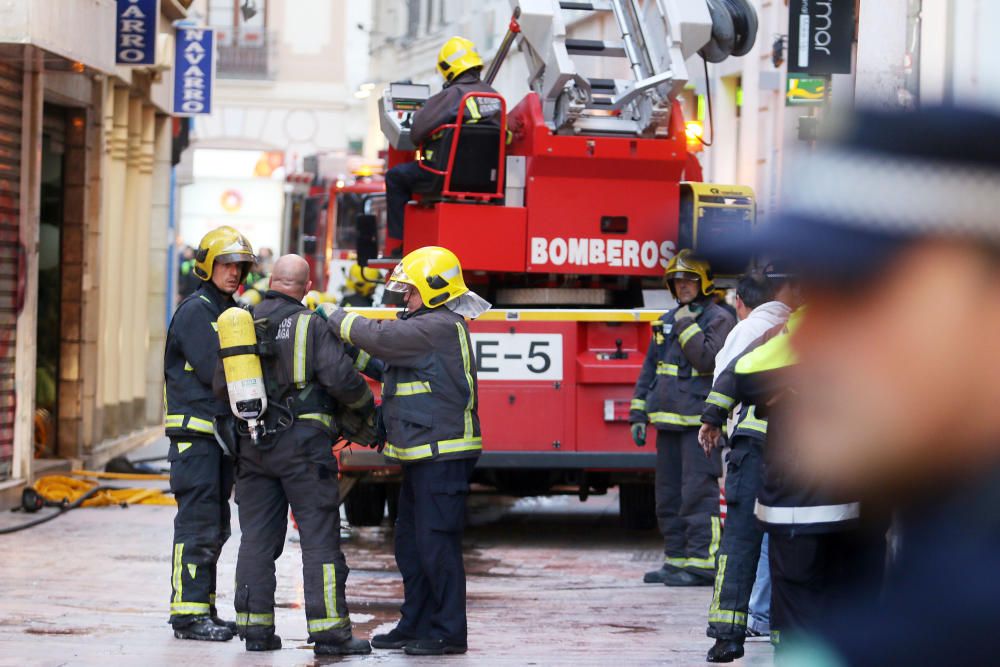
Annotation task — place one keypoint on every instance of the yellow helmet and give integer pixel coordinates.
(456, 56)
(434, 271)
(250, 297)
(225, 245)
(362, 280)
(685, 265)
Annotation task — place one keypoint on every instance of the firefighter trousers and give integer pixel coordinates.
(429, 526)
(687, 500)
(740, 550)
(201, 479)
(813, 574)
(300, 471)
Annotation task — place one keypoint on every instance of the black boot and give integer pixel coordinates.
(347, 647)
(391, 640)
(685, 578)
(659, 576)
(433, 647)
(225, 624)
(203, 629)
(271, 642)
(725, 650)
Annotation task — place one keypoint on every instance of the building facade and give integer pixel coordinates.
(290, 78)
(85, 164)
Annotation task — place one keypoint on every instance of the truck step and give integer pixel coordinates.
(593, 6)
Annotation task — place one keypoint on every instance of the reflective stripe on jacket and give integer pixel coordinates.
(430, 390)
(676, 376)
(189, 359)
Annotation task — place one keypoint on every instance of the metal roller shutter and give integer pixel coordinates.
(11, 253)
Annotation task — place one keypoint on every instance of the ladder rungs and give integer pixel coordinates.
(593, 6)
(595, 47)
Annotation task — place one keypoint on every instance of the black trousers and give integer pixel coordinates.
(813, 574)
(429, 529)
(299, 471)
(201, 479)
(740, 550)
(687, 500)
(400, 183)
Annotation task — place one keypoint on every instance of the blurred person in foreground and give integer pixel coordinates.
(897, 228)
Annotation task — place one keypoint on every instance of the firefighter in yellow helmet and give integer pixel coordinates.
(200, 476)
(430, 411)
(675, 380)
(360, 286)
(460, 64)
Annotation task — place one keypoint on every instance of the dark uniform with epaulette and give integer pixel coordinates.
(676, 379)
(430, 410)
(201, 477)
(309, 379)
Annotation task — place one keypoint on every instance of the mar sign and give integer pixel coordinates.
(194, 71)
(135, 32)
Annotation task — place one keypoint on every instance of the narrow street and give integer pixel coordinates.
(551, 581)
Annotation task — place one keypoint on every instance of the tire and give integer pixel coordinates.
(365, 504)
(637, 506)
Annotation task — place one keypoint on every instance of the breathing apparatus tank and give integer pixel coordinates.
(244, 375)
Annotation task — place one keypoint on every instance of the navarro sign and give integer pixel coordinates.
(820, 36)
(135, 33)
(194, 71)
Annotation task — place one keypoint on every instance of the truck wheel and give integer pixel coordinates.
(637, 506)
(365, 504)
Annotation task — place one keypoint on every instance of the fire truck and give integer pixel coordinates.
(565, 221)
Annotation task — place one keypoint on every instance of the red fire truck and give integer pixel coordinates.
(565, 224)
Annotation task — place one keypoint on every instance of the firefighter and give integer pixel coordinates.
(307, 372)
(430, 409)
(675, 380)
(360, 286)
(201, 478)
(771, 297)
(460, 65)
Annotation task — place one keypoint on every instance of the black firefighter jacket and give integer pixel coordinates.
(676, 376)
(307, 368)
(442, 109)
(430, 391)
(190, 357)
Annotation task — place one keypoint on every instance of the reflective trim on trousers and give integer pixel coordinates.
(713, 548)
(330, 591)
(188, 422)
(323, 624)
(674, 419)
(190, 608)
(807, 515)
(177, 576)
(246, 619)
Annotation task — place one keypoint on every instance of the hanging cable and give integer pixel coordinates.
(708, 94)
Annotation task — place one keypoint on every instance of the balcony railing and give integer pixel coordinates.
(245, 53)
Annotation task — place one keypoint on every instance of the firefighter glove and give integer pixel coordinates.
(690, 311)
(639, 434)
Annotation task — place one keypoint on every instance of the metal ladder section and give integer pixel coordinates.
(657, 36)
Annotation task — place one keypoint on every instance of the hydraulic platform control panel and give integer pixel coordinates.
(396, 107)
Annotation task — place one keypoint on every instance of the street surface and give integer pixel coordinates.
(552, 581)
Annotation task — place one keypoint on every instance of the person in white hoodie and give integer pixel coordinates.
(760, 308)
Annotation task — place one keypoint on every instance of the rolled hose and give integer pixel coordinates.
(734, 30)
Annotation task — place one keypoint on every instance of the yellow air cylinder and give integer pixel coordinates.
(244, 377)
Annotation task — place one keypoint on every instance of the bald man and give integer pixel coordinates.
(308, 376)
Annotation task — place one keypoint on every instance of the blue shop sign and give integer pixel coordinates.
(194, 71)
(135, 34)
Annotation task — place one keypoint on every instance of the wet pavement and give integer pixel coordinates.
(552, 581)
